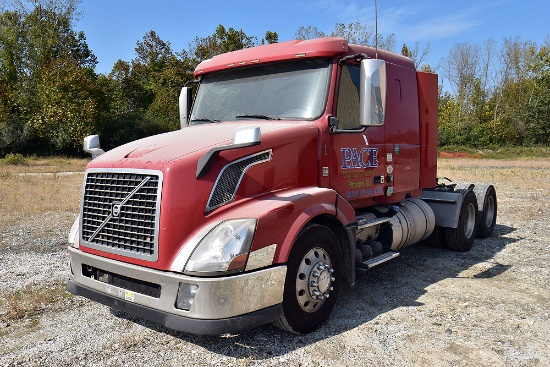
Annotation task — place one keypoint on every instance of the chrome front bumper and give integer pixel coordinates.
(221, 305)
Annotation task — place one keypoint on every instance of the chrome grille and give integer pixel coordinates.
(230, 177)
(120, 212)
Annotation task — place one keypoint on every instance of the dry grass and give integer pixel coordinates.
(523, 186)
(41, 165)
(39, 186)
(32, 301)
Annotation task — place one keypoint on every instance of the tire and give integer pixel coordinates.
(462, 237)
(314, 265)
(437, 238)
(487, 209)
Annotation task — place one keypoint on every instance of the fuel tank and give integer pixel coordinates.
(413, 222)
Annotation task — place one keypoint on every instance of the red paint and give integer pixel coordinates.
(427, 106)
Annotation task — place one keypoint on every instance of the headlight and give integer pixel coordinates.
(224, 248)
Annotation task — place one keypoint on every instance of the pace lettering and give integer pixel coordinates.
(365, 158)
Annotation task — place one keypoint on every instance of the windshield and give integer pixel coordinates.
(287, 90)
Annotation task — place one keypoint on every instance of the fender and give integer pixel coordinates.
(282, 215)
(291, 210)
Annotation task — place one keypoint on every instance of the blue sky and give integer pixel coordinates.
(113, 27)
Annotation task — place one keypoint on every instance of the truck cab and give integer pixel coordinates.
(298, 165)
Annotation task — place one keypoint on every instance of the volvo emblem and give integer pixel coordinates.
(116, 210)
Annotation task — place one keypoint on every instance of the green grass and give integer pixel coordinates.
(494, 152)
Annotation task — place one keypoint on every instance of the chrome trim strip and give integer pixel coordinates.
(230, 199)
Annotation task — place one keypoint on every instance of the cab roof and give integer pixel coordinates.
(319, 47)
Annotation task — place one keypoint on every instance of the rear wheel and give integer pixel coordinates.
(462, 237)
(313, 280)
(487, 214)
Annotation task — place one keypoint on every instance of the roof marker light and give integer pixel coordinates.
(300, 55)
(230, 65)
(242, 63)
(255, 61)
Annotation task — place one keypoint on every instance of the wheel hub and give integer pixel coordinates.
(469, 221)
(314, 280)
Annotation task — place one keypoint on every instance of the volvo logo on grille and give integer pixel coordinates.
(116, 210)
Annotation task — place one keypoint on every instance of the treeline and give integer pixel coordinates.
(51, 97)
(500, 95)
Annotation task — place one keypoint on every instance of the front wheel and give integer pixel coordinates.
(313, 280)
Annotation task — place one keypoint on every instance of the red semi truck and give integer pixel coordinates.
(299, 165)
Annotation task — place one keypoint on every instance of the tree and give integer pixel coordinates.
(37, 42)
(145, 91)
(70, 105)
(494, 104)
(461, 70)
(415, 53)
(361, 34)
(49, 36)
(271, 37)
(309, 32)
(355, 32)
(203, 48)
(152, 52)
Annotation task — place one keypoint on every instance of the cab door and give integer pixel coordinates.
(358, 156)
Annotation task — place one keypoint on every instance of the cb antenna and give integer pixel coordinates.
(376, 27)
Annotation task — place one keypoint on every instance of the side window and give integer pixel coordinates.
(348, 97)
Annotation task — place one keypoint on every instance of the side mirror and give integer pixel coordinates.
(91, 145)
(185, 103)
(372, 92)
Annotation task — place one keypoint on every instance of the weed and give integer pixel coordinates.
(14, 160)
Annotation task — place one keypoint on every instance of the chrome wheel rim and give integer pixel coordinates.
(490, 211)
(470, 221)
(314, 280)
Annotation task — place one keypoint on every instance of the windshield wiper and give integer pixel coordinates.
(262, 117)
(203, 120)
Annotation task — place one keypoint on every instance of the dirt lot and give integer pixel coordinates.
(429, 307)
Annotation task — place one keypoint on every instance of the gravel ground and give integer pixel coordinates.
(429, 307)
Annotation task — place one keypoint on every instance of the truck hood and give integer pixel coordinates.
(157, 151)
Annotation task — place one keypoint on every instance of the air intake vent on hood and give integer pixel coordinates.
(230, 177)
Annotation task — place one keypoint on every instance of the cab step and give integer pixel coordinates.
(362, 267)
